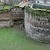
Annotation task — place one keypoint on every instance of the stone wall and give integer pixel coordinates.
(5, 20)
(37, 28)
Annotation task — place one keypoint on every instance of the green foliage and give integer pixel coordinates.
(38, 12)
(4, 9)
(7, 7)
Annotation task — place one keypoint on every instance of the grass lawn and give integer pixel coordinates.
(15, 39)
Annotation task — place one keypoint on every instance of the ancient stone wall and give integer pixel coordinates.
(37, 28)
(5, 20)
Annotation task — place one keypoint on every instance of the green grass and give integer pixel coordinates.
(15, 39)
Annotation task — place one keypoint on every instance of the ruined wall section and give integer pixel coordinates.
(37, 28)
